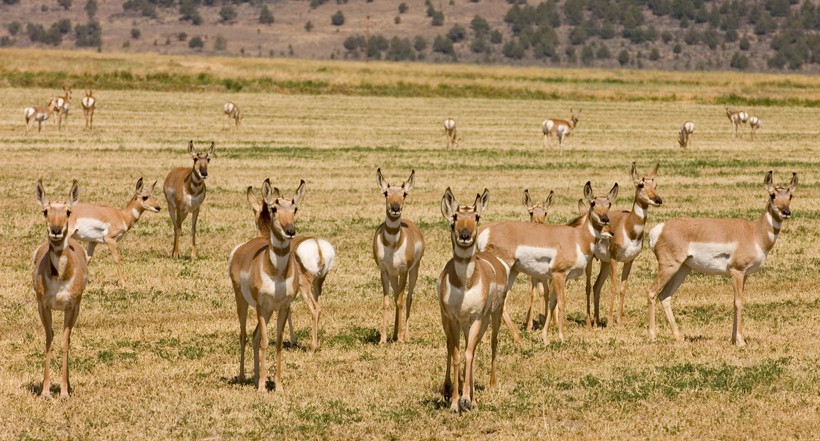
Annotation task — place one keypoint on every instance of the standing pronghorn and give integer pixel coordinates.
(265, 276)
(60, 275)
(231, 111)
(755, 123)
(108, 225)
(38, 114)
(560, 128)
(685, 132)
(185, 191)
(472, 289)
(89, 104)
(737, 118)
(627, 228)
(538, 214)
(556, 252)
(315, 257)
(63, 106)
(451, 132)
(398, 246)
(727, 247)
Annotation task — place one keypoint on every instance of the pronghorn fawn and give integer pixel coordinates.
(737, 119)
(755, 123)
(60, 275)
(472, 290)
(185, 191)
(398, 246)
(538, 214)
(556, 252)
(63, 106)
(38, 114)
(315, 257)
(451, 132)
(265, 276)
(232, 112)
(684, 133)
(100, 224)
(89, 105)
(559, 128)
(729, 247)
(627, 229)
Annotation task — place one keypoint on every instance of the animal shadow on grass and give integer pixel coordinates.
(355, 335)
(270, 385)
(439, 402)
(37, 388)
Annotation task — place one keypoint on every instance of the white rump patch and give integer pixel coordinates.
(309, 254)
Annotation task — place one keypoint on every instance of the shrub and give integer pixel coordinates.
(337, 19)
(744, 44)
(308, 26)
(89, 35)
(354, 42)
(603, 53)
(443, 45)
(740, 62)
(438, 19)
(666, 37)
(623, 57)
(479, 25)
(654, 54)
(182, 36)
(456, 33)
(403, 8)
(513, 49)
(91, 9)
(677, 49)
(220, 43)
(265, 16)
(64, 26)
(227, 13)
(419, 43)
(480, 45)
(587, 55)
(14, 27)
(400, 49)
(66, 4)
(496, 37)
(196, 43)
(135, 33)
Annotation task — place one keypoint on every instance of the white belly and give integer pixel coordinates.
(58, 294)
(534, 261)
(710, 258)
(392, 260)
(90, 229)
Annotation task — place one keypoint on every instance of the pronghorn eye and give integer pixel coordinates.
(405, 194)
(45, 213)
(67, 213)
(477, 218)
(640, 185)
(592, 204)
(145, 198)
(385, 194)
(208, 160)
(272, 210)
(771, 195)
(295, 210)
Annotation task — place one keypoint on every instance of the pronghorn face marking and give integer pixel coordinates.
(463, 219)
(645, 187)
(145, 197)
(779, 197)
(538, 213)
(394, 196)
(201, 160)
(282, 211)
(599, 206)
(57, 214)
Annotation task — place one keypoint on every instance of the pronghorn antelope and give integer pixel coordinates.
(398, 246)
(737, 118)
(108, 225)
(185, 191)
(60, 275)
(559, 128)
(315, 257)
(685, 132)
(89, 104)
(627, 228)
(755, 123)
(538, 214)
(556, 252)
(264, 276)
(63, 106)
(38, 114)
(232, 113)
(728, 247)
(472, 289)
(451, 132)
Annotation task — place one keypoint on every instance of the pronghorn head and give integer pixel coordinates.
(145, 196)
(780, 197)
(89, 93)
(575, 117)
(260, 212)
(67, 92)
(463, 219)
(599, 206)
(645, 187)
(538, 213)
(57, 214)
(394, 195)
(201, 160)
(729, 113)
(282, 211)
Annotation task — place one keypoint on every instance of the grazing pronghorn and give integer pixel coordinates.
(315, 257)
(627, 228)
(556, 252)
(264, 276)
(685, 132)
(472, 289)
(232, 113)
(63, 106)
(538, 214)
(737, 118)
(38, 114)
(451, 132)
(559, 128)
(108, 225)
(728, 247)
(60, 275)
(185, 191)
(398, 246)
(755, 123)
(89, 104)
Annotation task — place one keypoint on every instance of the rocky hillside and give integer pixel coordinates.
(754, 35)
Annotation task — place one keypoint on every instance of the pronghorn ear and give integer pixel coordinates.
(448, 202)
(793, 183)
(549, 201)
(73, 194)
(40, 194)
(153, 186)
(255, 204)
(269, 194)
(481, 201)
(191, 149)
(409, 183)
(654, 171)
(139, 185)
(613, 193)
(300, 193)
(767, 181)
(582, 207)
(211, 149)
(384, 185)
(527, 200)
(636, 179)
(588, 192)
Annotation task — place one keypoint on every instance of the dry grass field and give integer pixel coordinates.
(157, 358)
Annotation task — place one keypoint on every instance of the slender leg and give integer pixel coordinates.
(90, 250)
(385, 305)
(531, 308)
(606, 269)
(194, 216)
(411, 286)
(242, 314)
(738, 282)
(665, 274)
(398, 322)
(665, 297)
(68, 325)
(613, 290)
(560, 282)
(112, 245)
(261, 346)
(454, 335)
(508, 321)
(494, 346)
(551, 303)
(624, 277)
(45, 319)
(176, 219)
(281, 320)
(588, 290)
(316, 291)
(473, 338)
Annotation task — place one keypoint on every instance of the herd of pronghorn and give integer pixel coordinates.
(268, 271)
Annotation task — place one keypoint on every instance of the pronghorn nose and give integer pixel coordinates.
(204, 173)
(395, 208)
(55, 231)
(290, 230)
(464, 235)
(658, 200)
(787, 212)
(605, 219)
